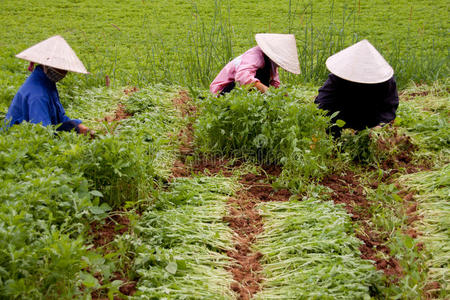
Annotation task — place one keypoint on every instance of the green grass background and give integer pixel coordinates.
(138, 42)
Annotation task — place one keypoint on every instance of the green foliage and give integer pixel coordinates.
(121, 171)
(43, 212)
(390, 221)
(150, 99)
(359, 147)
(89, 105)
(279, 127)
(376, 146)
(181, 241)
(309, 252)
(411, 286)
(323, 28)
(426, 115)
(432, 131)
(387, 210)
(187, 43)
(52, 186)
(432, 189)
(152, 130)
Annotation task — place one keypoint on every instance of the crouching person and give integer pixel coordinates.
(259, 65)
(37, 100)
(361, 88)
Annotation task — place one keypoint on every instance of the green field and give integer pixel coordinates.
(149, 208)
(139, 42)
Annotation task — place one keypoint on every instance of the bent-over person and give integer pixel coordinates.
(361, 87)
(37, 100)
(259, 65)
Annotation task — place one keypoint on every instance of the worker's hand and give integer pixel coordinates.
(92, 134)
(261, 87)
(83, 129)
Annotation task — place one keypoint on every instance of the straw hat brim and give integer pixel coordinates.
(281, 49)
(360, 63)
(54, 52)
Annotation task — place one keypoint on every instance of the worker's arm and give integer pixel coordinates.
(261, 87)
(388, 106)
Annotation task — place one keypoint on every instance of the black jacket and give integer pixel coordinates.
(360, 105)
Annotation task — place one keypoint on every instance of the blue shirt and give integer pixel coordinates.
(37, 101)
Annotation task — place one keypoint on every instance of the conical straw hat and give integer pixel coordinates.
(54, 52)
(361, 63)
(281, 49)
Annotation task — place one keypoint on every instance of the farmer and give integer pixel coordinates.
(37, 100)
(361, 88)
(259, 65)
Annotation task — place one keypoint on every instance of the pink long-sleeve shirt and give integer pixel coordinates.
(243, 69)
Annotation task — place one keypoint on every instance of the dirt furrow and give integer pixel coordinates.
(243, 216)
(247, 224)
(117, 223)
(347, 190)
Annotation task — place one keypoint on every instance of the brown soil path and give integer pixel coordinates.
(117, 223)
(247, 224)
(348, 190)
(243, 217)
(102, 236)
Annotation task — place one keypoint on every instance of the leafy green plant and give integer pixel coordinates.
(359, 147)
(53, 186)
(271, 128)
(411, 285)
(387, 210)
(385, 146)
(43, 213)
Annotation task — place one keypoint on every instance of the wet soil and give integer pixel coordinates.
(432, 290)
(214, 166)
(128, 288)
(186, 135)
(260, 186)
(407, 96)
(184, 104)
(130, 90)
(403, 154)
(104, 234)
(348, 191)
(120, 112)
